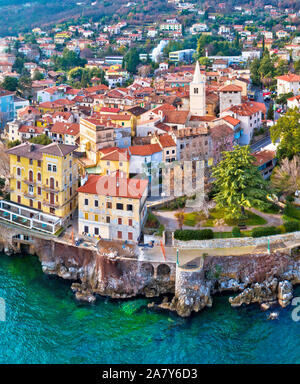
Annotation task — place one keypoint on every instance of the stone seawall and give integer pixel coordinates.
(236, 242)
(92, 272)
(256, 278)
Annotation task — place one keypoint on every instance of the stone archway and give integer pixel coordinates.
(147, 269)
(163, 270)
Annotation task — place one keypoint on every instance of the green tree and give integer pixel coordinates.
(19, 64)
(270, 114)
(266, 69)
(10, 84)
(239, 183)
(13, 143)
(205, 61)
(41, 139)
(131, 60)
(287, 130)
(254, 68)
(297, 66)
(37, 76)
(68, 60)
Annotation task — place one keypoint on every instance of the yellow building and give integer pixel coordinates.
(44, 177)
(95, 134)
(112, 207)
(114, 159)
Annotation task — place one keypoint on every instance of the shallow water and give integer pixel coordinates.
(44, 324)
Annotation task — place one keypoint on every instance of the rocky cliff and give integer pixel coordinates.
(95, 273)
(264, 279)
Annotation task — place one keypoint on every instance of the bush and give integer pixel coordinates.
(291, 226)
(290, 199)
(265, 231)
(292, 211)
(189, 234)
(236, 232)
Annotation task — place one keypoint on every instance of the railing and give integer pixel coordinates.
(47, 188)
(49, 204)
(29, 218)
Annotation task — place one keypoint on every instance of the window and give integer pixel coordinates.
(120, 235)
(54, 168)
(108, 205)
(130, 236)
(86, 201)
(86, 229)
(49, 167)
(196, 91)
(39, 163)
(96, 203)
(30, 161)
(39, 176)
(18, 159)
(130, 222)
(70, 163)
(119, 221)
(19, 171)
(18, 185)
(86, 216)
(96, 231)
(129, 207)
(108, 219)
(31, 203)
(39, 190)
(39, 205)
(19, 199)
(30, 189)
(119, 206)
(96, 218)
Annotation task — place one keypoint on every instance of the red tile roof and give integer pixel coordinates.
(166, 141)
(144, 150)
(230, 88)
(114, 185)
(114, 154)
(290, 77)
(263, 157)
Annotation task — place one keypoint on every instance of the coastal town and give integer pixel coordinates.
(163, 139)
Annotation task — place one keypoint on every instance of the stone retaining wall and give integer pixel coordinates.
(236, 242)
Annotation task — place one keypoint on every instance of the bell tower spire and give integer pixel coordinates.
(197, 93)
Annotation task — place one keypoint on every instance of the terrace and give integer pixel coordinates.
(29, 218)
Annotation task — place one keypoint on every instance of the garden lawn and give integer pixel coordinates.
(193, 218)
(249, 220)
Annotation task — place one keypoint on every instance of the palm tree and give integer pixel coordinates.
(286, 177)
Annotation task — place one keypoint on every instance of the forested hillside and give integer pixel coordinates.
(22, 15)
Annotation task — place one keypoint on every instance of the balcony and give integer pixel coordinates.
(29, 182)
(29, 195)
(48, 188)
(51, 205)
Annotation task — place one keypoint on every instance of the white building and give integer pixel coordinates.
(288, 83)
(250, 115)
(229, 95)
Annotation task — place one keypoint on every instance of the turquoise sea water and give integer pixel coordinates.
(45, 324)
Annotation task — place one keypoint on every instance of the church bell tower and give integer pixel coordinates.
(197, 93)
